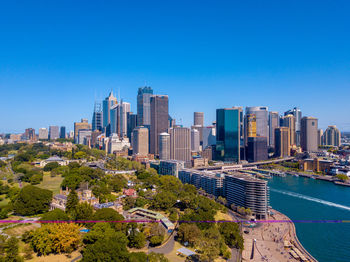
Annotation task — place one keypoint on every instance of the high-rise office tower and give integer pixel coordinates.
(229, 123)
(114, 119)
(180, 143)
(257, 149)
(249, 127)
(159, 120)
(273, 124)
(83, 125)
(164, 146)
(195, 143)
(97, 117)
(107, 104)
(54, 132)
(282, 141)
(208, 136)
(131, 123)
(262, 115)
(198, 119)
(296, 112)
(144, 106)
(140, 141)
(308, 135)
(43, 133)
(289, 121)
(122, 120)
(30, 134)
(320, 140)
(63, 132)
(332, 136)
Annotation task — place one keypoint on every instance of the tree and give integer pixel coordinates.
(56, 238)
(137, 257)
(164, 200)
(342, 177)
(55, 215)
(231, 233)
(108, 214)
(83, 211)
(137, 239)
(189, 233)
(80, 155)
(72, 201)
(50, 166)
(156, 240)
(11, 248)
(32, 200)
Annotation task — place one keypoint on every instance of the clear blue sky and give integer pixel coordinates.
(57, 57)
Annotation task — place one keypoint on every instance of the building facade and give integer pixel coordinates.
(54, 132)
(180, 143)
(309, 134)
(82, 125)
(106, 108)
(144, 106)
(273, 124)
(43, 133)
(198, 119)
(332, 136)
(170, 167)
(257, 149)
(140, 141)
(282, 142)
(164, 146)
(195, 141)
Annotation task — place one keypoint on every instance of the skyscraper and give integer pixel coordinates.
(320, 140)
(54, 132)
(144, 106)
(30, 134)
(249, 127)
(273, 124)
(289, 121)
(195, 140)
(43, 133)
(261, 113)
(63, 132)
(97, 117)
(180, 143)
(132, 123)
(140, 141)
(198, 119)
(282, 141)
(159, 120)
(83, 125)
(332, 136)
(229, 123)
(308, 135)
(208, 136)
(107, 104)
(257, 149)
(124, 109)
(164, 146)
(296, 112)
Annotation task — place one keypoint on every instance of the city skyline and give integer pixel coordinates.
(224, 54)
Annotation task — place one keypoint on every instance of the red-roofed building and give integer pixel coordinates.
(130, 192)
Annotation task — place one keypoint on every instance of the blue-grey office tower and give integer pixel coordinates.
(106, 108)
(296, 112)
(229, 125)
(144, 106)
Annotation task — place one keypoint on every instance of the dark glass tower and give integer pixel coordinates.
(144, 106)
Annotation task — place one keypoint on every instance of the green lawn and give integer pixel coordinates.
(4, 200)
(51, 183)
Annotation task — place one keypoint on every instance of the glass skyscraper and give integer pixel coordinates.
(144, 106)
(107, 104)
(229, 125)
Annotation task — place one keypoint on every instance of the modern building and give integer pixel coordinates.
(290, 122)
(249, 127)
(309, 134)
(332, 136)
(106, 108)
(273, 124)
(159, 120)
(229, 123)
(296, 112)
(164, 146)
(117, 144)
(63, 132)
(97, 117)
(144, 106)
(43, 133)
(170, 167)
(30, 134)
(208, 136)
(246, 191)
(320, 140)
(262, 116)
(140, 141)
(84, 137)
(195, 142)
(180, 143)
(54, 132)
(131, 123)
(124, 109)
(198, 119)
(282, 142)
(82, 125)
(257, 149)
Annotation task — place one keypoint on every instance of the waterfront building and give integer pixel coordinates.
(164, 146)
(63, 132)
(309, 134)
(97, 117)
(43, 133)
(54, 132)
(198, 119)
(208, 136)
(180, 143)
(332, 136)
(144, 106)
(140, 141)
(273, 124)
(315, 165)
(257, 149)
(296, 112)
(170, 167)
(229, 122)
(246, 191)
(159, 120)
(289, 121)
(82, 125)
(195, 140)
(282, 142)
(106, 108)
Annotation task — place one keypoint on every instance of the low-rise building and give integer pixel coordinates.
(52, 159)
(170, 167)
(315, 165)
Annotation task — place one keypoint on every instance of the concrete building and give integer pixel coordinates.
(170, 167)
(195, 143)
(180, 143)
(208, 136)
(140, 141)
(282, 142)
(289, 121)
(308, 138)
(315, 165)
(296, 112)
(54, 132)
(29, 134)
(273, 124)
(84, 137)
(82, 125)
(320, 141)
(117, 144)
(159, 120)
(43, 133)
(164, 146)
(262, 115)
(144, 106)
(245, 191)
(106, 108)
(198, 119)
(257, 149)
(332, 136)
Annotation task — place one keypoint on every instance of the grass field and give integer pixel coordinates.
(222, 216)
(51, 183)
(19, 230)
(4, 200)
(55, 258)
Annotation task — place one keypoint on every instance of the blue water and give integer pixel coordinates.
(309, 199)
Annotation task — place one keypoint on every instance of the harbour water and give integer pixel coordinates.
(310, 199)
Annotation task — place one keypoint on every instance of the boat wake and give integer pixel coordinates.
(324, 202)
